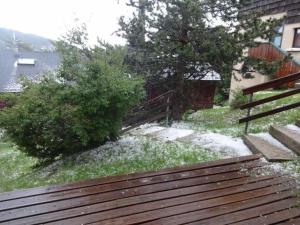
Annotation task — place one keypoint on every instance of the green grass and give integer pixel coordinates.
(17, 170)
(225, 120)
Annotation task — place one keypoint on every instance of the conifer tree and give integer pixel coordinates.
(172, 39)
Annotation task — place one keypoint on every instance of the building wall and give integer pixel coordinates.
(238, 82)
(288, 36)
(200, 94)
(287, 45)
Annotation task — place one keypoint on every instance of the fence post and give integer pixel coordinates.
(168, 111)
(248, 113)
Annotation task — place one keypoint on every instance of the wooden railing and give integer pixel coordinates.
(150, 110)
(271, 84)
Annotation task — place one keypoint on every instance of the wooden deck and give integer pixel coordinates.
(218, 192)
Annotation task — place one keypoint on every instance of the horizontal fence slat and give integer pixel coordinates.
(272, 84)
(268, 113)
(270, 99)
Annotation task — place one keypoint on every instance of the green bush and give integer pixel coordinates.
(238, 99)
(50, 119)
(78, 107)
(219, 100)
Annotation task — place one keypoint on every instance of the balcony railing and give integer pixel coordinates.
(271, 84)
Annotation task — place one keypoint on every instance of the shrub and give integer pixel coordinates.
(219, 100)
(238, 99)
(78, 107)
(50, 119)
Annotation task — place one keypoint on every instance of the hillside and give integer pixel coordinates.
(25, 41)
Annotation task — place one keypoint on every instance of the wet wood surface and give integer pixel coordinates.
(226, 191)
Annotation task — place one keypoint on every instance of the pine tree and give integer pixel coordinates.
(172, 39)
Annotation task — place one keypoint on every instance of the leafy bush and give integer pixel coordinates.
(238, 99)
(77, 108)
(219, 99)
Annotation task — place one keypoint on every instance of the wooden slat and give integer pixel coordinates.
(160, 182)
(180, 209)
(94, 212)
(272, 83)
(122, 194)
(270, 99)
(271, 152)
(113, 179)
(247, 214)
(200, 217)
(274, 218)
(220, 192)
(295, 221)
(31, 211)
(270, 112)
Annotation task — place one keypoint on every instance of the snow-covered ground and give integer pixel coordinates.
(158, 141)
(293, 127)
(225, 146)
(171, 134)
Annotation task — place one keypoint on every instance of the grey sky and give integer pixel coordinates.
(51, 18)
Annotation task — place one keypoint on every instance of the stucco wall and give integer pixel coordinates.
(238, 82)
(288, 36)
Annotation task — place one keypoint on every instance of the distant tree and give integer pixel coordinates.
(190, 37)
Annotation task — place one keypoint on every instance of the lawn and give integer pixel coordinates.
(126, 156)
(225, 120)
(132, 154)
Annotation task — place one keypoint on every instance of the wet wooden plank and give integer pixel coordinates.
(271, 152)
(274, 218)
(219, 192)
(197, 217)
(122, 194)
(96, 211)
(97, 207)
(90, 191)
(196, 206)
(107, 180)
(295, 221)
(254, 212)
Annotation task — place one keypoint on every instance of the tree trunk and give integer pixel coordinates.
(179, 99)
(178, 102)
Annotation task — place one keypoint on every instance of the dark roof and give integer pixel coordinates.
(269, 7)
(11, 71)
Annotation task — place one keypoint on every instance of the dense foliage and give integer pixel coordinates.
(79, 107)
(238, 99)
(177, 38)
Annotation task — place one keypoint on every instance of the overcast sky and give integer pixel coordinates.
(51, 18)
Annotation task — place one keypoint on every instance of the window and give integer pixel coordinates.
(277, 38)
(297, 38)
(25, 61)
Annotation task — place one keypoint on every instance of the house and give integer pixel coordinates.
(199, 87)
(28, 64)
(285, 43)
